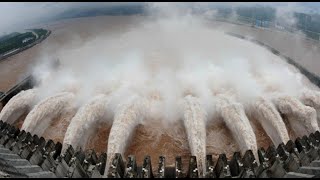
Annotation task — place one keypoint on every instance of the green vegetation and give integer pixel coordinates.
(40, 32)
(17, 40)
(3, 38)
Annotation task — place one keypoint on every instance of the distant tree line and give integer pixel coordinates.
(15, 40)
(40, 32)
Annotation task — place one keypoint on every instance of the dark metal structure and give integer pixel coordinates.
(25, 155)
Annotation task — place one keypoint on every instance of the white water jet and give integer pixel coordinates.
(85, 122)
(234, 116)
(311, 98)
(268, 116)
(303, 119)
(18, 105)
(194, 121)
(127, 116)
(40, 117)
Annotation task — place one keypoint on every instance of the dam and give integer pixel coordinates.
(23, 154)
(155, 97)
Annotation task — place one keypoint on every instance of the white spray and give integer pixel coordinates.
(18, 105)
(303, 119)
(234, 116)
(312, 99)
(267, 114)
(42, 114)
(127, 117)
(86, 120)
(195, 124)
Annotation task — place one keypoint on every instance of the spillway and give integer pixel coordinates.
(195, 124)
(303, 119)
(166, 56)
(42, 114)
(127, 116)
(312, 98)
(86, 121)
(18, 105)
(267, 115)
(234, 116)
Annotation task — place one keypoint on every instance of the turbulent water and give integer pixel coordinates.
(86, 121)
(267, 114)
(312, 99)
(42, 114)
(127, 116)
(303, 119)
(195, 124)
(234, 116)
(18, 105)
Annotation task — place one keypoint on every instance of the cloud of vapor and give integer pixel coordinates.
(285, 14)
(165, 59)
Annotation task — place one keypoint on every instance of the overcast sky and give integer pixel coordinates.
(17, 14)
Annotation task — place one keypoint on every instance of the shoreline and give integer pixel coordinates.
(16, 51)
